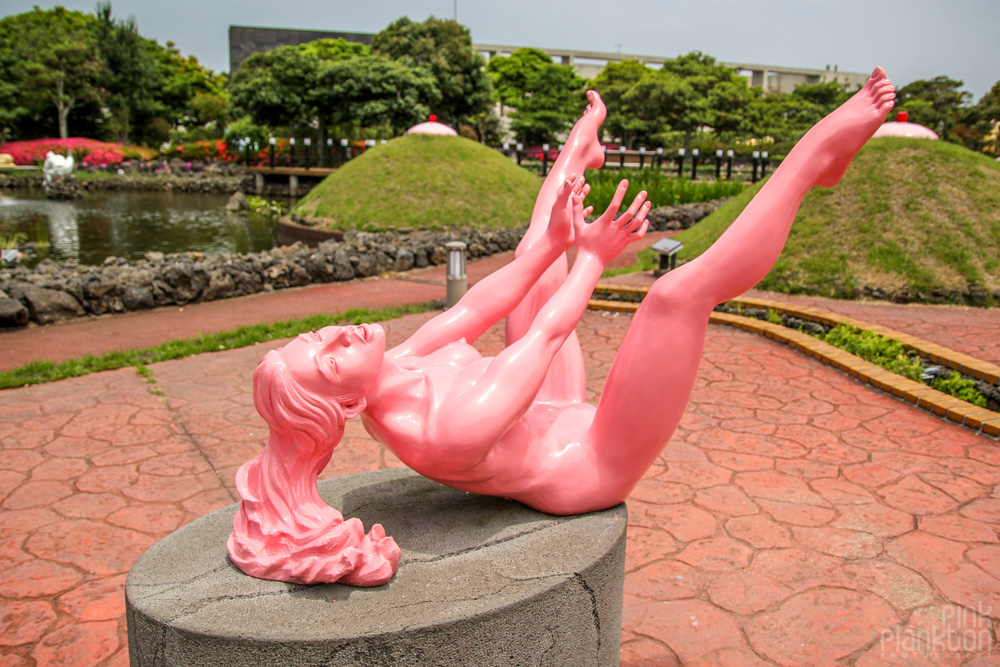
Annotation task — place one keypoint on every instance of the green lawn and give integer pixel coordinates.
(910, 215)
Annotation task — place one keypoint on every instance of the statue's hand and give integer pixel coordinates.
(561, 229)
(607, 236)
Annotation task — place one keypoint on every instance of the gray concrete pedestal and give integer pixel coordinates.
(483, 581)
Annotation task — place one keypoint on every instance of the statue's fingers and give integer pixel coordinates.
(637, 221)
(640, 233)
(633, 209)
(641, 221)
(616, 201)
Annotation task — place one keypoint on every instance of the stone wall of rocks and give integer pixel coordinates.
(195, 183)
(52, 292)
(682, 216)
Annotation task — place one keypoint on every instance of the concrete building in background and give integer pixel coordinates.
(247, 40)
(773, 79)
(244, 40)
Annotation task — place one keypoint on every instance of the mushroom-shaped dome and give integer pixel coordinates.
(902, 128)
(433, 127)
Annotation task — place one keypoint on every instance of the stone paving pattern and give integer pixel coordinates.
(797, 516)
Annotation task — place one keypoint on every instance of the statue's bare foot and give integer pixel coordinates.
(833, 142)
(584, 144)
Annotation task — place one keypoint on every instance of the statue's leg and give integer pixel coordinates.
(652, 377)
(582, 151)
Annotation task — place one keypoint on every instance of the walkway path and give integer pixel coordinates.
(797, 517)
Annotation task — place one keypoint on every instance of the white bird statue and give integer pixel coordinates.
(57, 165)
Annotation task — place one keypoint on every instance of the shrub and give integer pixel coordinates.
(882, 351)
(203, 150)
(245, 127)
(85, 151)
(961, 388)
(265, 207)
(662, 190)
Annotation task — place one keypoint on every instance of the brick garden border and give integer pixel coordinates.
(980, 420)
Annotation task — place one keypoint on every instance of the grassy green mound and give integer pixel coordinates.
(426, 182)
(910, 216)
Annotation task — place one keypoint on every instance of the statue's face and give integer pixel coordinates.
(337, 361)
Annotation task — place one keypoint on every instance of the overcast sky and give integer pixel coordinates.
(912, 39)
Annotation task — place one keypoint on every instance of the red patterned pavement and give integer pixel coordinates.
(797, 517)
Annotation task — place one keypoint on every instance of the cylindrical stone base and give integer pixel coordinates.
(483, 581)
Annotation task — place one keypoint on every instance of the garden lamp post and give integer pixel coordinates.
(694, 164)
(328, 158)
(621, 157)
(545, 159)
(506, 148)
(680, 162)
(344, 147)
(246, 144)
(291, 151)
(270, 150)
(718, 164)
(520, 147)
(729, 164)
(642, 157)
(456, 283)
(763, 164)
(308, 142)
(755, 161)
(659, 158)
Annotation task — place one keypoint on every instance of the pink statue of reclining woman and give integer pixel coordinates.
(516, 425)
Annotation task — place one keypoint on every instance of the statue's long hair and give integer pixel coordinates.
(305, 427)
(284, 530)
(289, 408)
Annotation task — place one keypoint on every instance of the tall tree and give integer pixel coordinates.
(373, 91)
(714, 95)
(12, 108)
(444, 48)
(510, 74)
(689, 92)
(553, 103)
(545, 97)
(629, 124)
(938, 103)
(127, 74)
(982, 123)
(54, 60)
(284, 86)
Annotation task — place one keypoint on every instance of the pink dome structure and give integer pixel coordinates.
(902, 128)
(433, 127)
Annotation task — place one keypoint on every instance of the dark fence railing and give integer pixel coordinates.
(723, 165)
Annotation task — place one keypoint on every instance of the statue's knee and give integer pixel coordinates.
(677, 292)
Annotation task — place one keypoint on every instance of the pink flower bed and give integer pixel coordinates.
(85, 151)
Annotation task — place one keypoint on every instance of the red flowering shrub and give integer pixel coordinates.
(85, 151)
(203, 150)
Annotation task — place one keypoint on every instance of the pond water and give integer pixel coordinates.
(129, 224)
